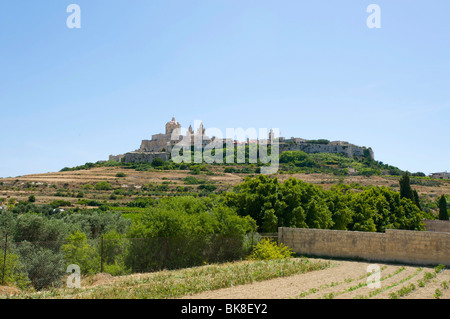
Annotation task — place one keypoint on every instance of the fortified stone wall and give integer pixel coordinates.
(146, 157)
(404, 246)
(165, 143)
(116, 158)
(349, 150)
(442, 226)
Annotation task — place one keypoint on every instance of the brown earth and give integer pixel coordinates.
(345, 280)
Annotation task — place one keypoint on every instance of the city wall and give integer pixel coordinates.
(349, 150)
(144, 157)
(442, 226)
(400, 246)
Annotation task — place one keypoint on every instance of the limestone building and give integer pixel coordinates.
(160, 145)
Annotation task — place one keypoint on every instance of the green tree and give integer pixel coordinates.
(416, 199)
(292, 203)
(15, 273)
(36, 228)
(405, 187)
(114, 251)
(44, 266)
(201, 228)
(7, 223)
(295, 203)
(443, 212)
(77, 250)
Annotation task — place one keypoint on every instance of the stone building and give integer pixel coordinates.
(442, 175)
(160, 145)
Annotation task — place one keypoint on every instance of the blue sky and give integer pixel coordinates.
(313, 69)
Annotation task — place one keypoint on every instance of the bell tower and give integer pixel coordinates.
(172, 125)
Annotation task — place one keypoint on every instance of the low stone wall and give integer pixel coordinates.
(403, 246)
(442, 226)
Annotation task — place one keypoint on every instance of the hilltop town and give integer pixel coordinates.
(161, 144)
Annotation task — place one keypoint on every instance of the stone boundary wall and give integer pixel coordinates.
(402, 246)
(442, 226)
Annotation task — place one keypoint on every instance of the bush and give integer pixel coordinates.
(158, 162)
(268, 249)
(207, 187)
(104, 186)
(121, 175)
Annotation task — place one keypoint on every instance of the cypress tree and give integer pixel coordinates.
(443, 212)
(416, 199)
(405, 187)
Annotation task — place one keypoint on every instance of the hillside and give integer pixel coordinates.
(67, 217)
(119, 185)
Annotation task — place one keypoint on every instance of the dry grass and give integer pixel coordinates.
(73, 181)
(179, 283)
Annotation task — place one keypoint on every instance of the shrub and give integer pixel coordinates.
(32, 198)
(268, 249)
(121, 175)
(105, 186)
(158, 162)
(207, 187)
(191, 180)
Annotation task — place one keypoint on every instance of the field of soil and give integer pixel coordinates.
(345, 280)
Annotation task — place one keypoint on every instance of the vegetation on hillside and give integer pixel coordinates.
(290, 162)
(295, 203)
(166, 226)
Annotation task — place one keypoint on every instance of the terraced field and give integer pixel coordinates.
(347, 280)
(67, 185)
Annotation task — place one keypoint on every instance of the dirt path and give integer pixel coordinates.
(344, 280)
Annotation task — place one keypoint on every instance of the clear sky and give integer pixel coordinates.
(311, 68)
